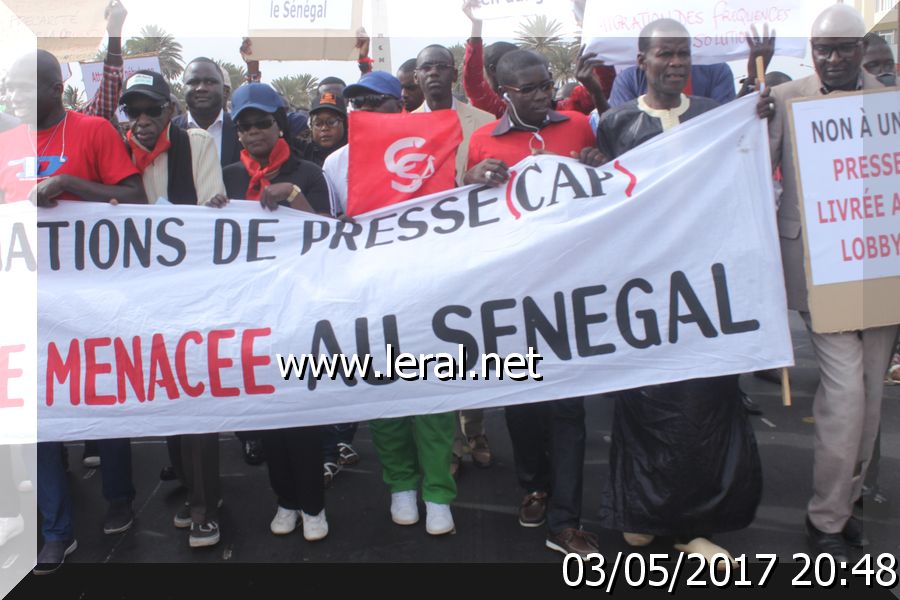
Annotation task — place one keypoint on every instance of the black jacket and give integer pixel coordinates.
(304, 174)
(231, 147)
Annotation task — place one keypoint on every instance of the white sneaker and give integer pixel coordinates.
(10, 527)
(438, 519)
(285, 521)
(315, 527)
(404, 510)
(25, 486)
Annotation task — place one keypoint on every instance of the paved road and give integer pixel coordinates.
(485, 510)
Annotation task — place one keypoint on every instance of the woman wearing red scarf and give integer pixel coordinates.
(269, 170)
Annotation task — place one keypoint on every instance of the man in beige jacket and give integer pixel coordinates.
(847, 404)
(436, 73)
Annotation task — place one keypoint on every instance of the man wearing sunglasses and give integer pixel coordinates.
(847, 404)
(179, 166)
(548, 438)
(375, 92)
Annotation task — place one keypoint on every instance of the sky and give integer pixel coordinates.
(215, 28)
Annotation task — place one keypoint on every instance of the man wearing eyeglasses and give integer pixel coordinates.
(179, 166)
(548, 438)
(328, 125)
(847, 404)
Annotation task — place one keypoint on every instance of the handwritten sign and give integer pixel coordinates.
(92, 72)
(71, 29)
(717, 27)
(498, 9)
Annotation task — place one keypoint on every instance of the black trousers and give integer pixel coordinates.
(294, 459)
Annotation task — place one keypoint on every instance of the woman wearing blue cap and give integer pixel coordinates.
(270, 172)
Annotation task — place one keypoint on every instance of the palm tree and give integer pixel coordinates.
(562, 59)
(235, 73)
(73, 97)
(539, 33)
(155, 40)
(459, 54)
(297, 89)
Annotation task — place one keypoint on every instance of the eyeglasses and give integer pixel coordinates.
(134, 113)
(264, 123)
(326, 123)
(527, 90)
(427, 67)
(369, 101)
(844, 50)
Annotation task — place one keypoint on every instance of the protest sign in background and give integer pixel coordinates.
(92, 72)
(71, 29)
(718, 27)
(658, 267)
(304, 29)
(498, 9)
(848, 157)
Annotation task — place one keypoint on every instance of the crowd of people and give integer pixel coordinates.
(683, 461)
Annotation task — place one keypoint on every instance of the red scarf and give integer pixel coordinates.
(143, 158)
(258, 174)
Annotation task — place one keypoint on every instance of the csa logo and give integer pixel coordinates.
(411, 168)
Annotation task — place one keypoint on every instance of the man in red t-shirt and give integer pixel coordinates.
(548, 438)
(58, 154)
(61, 155)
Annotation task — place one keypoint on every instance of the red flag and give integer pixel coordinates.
(395, 157)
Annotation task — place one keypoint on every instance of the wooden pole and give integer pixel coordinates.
(785, 378)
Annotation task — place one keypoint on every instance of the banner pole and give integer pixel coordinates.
(785, 378)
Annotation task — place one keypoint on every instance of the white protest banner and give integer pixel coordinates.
(661, 266)
(301, 14)
(848, 157)
(92, 72)
(498, 9)
(717, 27)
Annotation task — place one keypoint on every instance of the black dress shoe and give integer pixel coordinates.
(750, 405)
(253, 452)
(827, 543)
(167, 474)
(853, 533)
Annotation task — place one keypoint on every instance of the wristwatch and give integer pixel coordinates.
(296, 191)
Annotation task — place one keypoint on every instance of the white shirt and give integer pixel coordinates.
(215, 130)
(337, 168)
(426, 108)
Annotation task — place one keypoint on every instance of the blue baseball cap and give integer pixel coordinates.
(379, 82)
(255, 95)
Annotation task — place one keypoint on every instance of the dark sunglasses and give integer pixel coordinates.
(369, 101)
(526, 90)
(134, 113)
(264, 123)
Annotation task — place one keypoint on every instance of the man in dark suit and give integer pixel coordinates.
(205, 97)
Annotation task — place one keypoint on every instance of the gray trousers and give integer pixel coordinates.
(847, 410)
(196, 461)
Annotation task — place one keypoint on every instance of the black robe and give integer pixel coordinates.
(683, 460)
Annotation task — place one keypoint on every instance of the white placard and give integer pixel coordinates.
(498, 9)
(651, 269)
(848, 151)
(718, 27)
(300, 14)
(92, 72)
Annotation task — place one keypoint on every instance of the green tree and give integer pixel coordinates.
(73, 97)
(539, 33)
(562, 59)
(459, 54)
(235, 73)
(298, 89)
(155, 40)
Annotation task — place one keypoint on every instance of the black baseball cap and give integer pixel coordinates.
(148, 84)
(329, 101)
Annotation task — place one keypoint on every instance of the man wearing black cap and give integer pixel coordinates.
(179, 166)
(328, 122)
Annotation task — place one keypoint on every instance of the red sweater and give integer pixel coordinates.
(564, 137)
